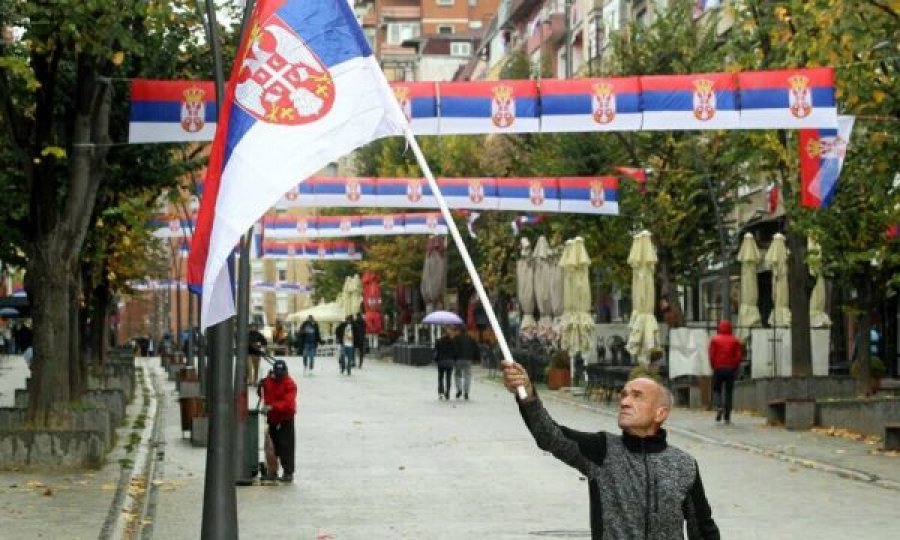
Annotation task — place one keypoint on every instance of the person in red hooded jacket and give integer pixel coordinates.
(279, 392)
(725, 355)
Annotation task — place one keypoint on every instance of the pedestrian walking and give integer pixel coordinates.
(359, 338)
(467, 352)
(256, 348)
(309, 339)
(640, 486)
(279, 393)
(344, 338)
(445, 356)
(725, 355)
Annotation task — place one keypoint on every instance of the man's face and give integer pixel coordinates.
(641, 405)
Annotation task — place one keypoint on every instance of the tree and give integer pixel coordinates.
(859, 38)
(59, 110)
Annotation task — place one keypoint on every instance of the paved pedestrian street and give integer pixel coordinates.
(380, 457)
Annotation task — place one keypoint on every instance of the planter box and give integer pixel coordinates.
(52, 449)
(558, 378)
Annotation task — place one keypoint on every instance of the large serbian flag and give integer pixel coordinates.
(304, 91)
(788, 99)
(488, 107)
(590, 105)
(699, 101)
(172, 111)
(822, 154)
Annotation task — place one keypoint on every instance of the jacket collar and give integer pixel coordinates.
(653, 444)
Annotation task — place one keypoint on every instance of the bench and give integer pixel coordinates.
(792, 413)
(892, 436)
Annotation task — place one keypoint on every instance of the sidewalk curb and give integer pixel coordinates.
(129, 506)
(843, 472)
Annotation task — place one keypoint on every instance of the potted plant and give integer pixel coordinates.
(876, 372)
(559, 374)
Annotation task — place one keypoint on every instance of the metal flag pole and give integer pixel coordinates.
(219, 520)
(463, 252)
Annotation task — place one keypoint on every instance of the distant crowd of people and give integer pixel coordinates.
(15, 338)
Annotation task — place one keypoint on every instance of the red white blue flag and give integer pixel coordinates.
(697, 101)
(418, 101)
(589, 195)
(382, 224)
(341, 191)
(469, 193)
(822, 153)
(528, 194)
(590, 105)
(425, 223)
(788, 99)
(171, 227)
(305, 90)
(489, 107)
(172, 111)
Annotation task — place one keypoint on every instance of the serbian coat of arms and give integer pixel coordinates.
(282, 81)
(536, 193)
(354, 192)
(799, 96)
(503, 106)
(388, 222)
(603, 103)
(476, 190)
(193, 109)
(597, 195)
(704, 99)
(414, 189)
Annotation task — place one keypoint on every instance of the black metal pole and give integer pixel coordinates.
(240, 372)
(189, 354)
(219, 520)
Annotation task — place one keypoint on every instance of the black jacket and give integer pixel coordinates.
(359, 333)
(444, 353)
(466, 348)
(640, 488)
(256, 343)
(314, 338)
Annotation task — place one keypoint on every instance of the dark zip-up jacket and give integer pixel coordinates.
(640, 488)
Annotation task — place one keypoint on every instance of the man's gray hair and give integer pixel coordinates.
(668, 399)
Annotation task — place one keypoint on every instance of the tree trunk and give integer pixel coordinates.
(50, 370)
(77, 369)
(798, 298)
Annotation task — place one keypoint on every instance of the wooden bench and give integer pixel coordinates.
(792, 413)
(892, 436)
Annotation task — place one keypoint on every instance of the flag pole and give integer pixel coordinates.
(463, 252)
(219, 518)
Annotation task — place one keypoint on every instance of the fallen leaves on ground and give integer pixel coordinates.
(846, 434)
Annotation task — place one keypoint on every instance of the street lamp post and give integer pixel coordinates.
(568, 39)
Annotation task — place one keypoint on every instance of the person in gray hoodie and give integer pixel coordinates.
(640, 486)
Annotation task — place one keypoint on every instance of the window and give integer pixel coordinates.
(400, 32)
(282, 274)
(281, 304)
(460, 48)
(475, 25)
(370, 36)
(445, 29)
(445, 2)
(473, 3)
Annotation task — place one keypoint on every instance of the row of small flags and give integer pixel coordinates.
(282, 287)
(337, 250)
(290, 227)
(582, 194)
(181, 111)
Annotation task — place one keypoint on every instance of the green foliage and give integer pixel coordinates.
(645, 371)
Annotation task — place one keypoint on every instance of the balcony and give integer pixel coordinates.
(401, 12)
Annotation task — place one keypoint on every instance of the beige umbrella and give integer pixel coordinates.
(748, 313)
(543, 287)
(557, 296)
(577, 324)
(776, 260)
(525, 290)
(643, 329)
(434, 273)
(817, 316)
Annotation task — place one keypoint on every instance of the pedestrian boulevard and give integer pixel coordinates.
(380, 457)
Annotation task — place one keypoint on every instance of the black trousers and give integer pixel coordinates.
(723, 389)
(282, 435)
(444, 374)
(360, 351)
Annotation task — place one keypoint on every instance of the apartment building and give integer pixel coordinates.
(423, 39)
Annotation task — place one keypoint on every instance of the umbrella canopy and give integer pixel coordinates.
(543, 288)
(525, 290)
(9, 313)
(557, 291)
(643, 329)
(443, 318)
(434, 273)
(324, 313)
(818, 318)
(748, 313)
(353, 295)
(776, 260)
(577, 332)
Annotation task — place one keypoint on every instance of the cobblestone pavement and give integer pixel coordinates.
(380, 457)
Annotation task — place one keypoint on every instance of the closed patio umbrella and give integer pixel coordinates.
(577, 324)
(557, 296)
(543, 288)
(434, 273)
(776, 260)
(748, 312)
(525, 290)
(643, 329)
(818, 318)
